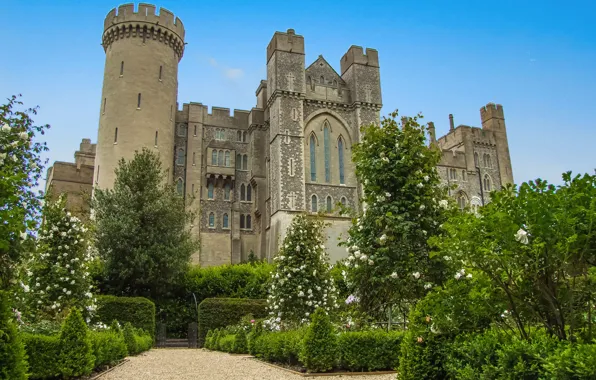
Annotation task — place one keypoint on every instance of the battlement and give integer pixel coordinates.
(360, 56)
(491, 111)
(147, 13)
(288, 42)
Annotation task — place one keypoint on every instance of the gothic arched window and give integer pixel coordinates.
(340, 151)
(211, 220)
(210, 190)
(248, 193)
(242, 192)
(227, 158)
(225, 222)
(327, 152)
(214, 157)
(180, 186)
(462, 201)
(248, 222)
(486, 182)
(227, 192)
(220, 158)
(245, 162)
(476, 164)
(238, 162)
(344, 201)
(313, 158)
(329, 203)
(313, 203)
(238, 136)
(244, 136)
(242, 221)
(180, 158)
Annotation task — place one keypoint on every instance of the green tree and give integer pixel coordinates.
(300, 281)
(76, 350)
(404, 205)
(12, 350)
(537, 245)
(143, 230)
(20, 170)
(58, 272)
(319, 349)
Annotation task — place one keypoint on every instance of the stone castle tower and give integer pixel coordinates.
(140, 86)
(253, 170)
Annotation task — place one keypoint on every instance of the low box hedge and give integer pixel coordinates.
(217, 313)
(43, 354)
(369, 350)
(139, 311)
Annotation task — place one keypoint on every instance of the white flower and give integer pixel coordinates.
(37, 284)
(370, 262)
(24, 135)
(420, 185)
(469, 275)
(385, 159)
(443, 203)
(5, 128)
(383, 238)
(69, 292)
(521, 236)
(63, 233)
(23, 235)
(416, 275)
(388, 194)
(457, 276)
(72, 282)
(428, 285)
(422, 207)
(64, 290)
(301, 294)
(363, 257)
(393, 275)
(307, 314)
(426, 178)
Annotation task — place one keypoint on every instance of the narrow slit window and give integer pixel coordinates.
(193, 158)
(171, 110)
(245, 162)
(248, 193)
(214, 157)
(220, 158)
(313, 162)
(180, 186)
(227, 192)
(329, 204)
(238, 161)
(313, 203)
(160, 71)
(248, 222)
(241, 221)
(340, 151)
(326, 138)
(210, 191)
(227, 159)
(122, 68)
(156, 133)
(242, 192)
(116, 136)
(104, 104)
(211, 220)
(291, 167)
(139, 100)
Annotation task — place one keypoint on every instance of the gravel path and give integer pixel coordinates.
(181, 364)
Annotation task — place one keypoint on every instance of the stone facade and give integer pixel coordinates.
(250, 172)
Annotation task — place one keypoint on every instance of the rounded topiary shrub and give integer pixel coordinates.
(320, 344)
(12, 350)
(76, 350)
(129, 339)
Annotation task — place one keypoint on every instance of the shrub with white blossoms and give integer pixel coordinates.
(389, 263)
(58, 273)
(300, 281)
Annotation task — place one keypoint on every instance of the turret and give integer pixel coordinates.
(360, 70)
(493, 119)
(140, 86)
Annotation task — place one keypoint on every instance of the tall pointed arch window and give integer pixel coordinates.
(225, 222)
(242, 192)
(210, 190)
(211, 220)
(329, 203)
(242, 221)
(313, 158)
(220, 158)
(340, 155)
(238, 161)
(180, 186)
(180, 158)
(214, 157)
(248, 193)
(313, 203)
(227, 159)
(326, 136)
(486, 182)
(227, 192)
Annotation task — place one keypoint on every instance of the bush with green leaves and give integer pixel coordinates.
(12, 351)
(138, 311)
(217, 313)
(369, 350)
(21, 168)
(572, 361)
(76, 351)
(300, 281)
(57, 274)
(240, 342)
(129, 339)
(108, 347)
(404, 203)
(279, 346)
(43, 352)
(255, 331)
(319, 348)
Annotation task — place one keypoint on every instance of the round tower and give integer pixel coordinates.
(140, 87)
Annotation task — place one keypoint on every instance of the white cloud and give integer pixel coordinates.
(234, 73)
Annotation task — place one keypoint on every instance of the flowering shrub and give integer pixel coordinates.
(58, 274)
(20, 170)
(300, 282)
(404, 205)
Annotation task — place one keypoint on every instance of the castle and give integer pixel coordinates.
(254, 170)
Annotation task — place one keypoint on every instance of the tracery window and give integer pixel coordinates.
(486, 182)
(327, 153)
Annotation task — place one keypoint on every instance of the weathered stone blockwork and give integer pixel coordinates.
(249, 172)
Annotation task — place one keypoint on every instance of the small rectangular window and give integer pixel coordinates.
(139, 101)
(193, 188)
(195, 130)
(104, 105)
(156, 138)
(116, 136)
(193, 158)
(97, 178)
(121, 68)
(160, 71)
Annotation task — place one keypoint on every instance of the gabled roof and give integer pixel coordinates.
(321, 67)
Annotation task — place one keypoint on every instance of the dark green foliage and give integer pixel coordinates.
(279, 347)
(319, 349)
(42, 354)
(572, 362)
(423, 357)
(369, 350)
(229, 281)
(129, 339)
(221, 312)
(138, 311)
(143, 230)
(76, 351)
(240, 342)
(208, 339)
(12, 350)
(255, 331)
(108, 347)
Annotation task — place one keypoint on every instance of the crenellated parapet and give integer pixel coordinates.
(146, 23)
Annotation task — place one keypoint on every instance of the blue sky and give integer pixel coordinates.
(538, 59)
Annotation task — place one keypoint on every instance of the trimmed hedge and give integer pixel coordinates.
(221, 312)
(108, 347)
(369, 350)
(278, 347)
(13, 364)
(139, 311)
(43, 352)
